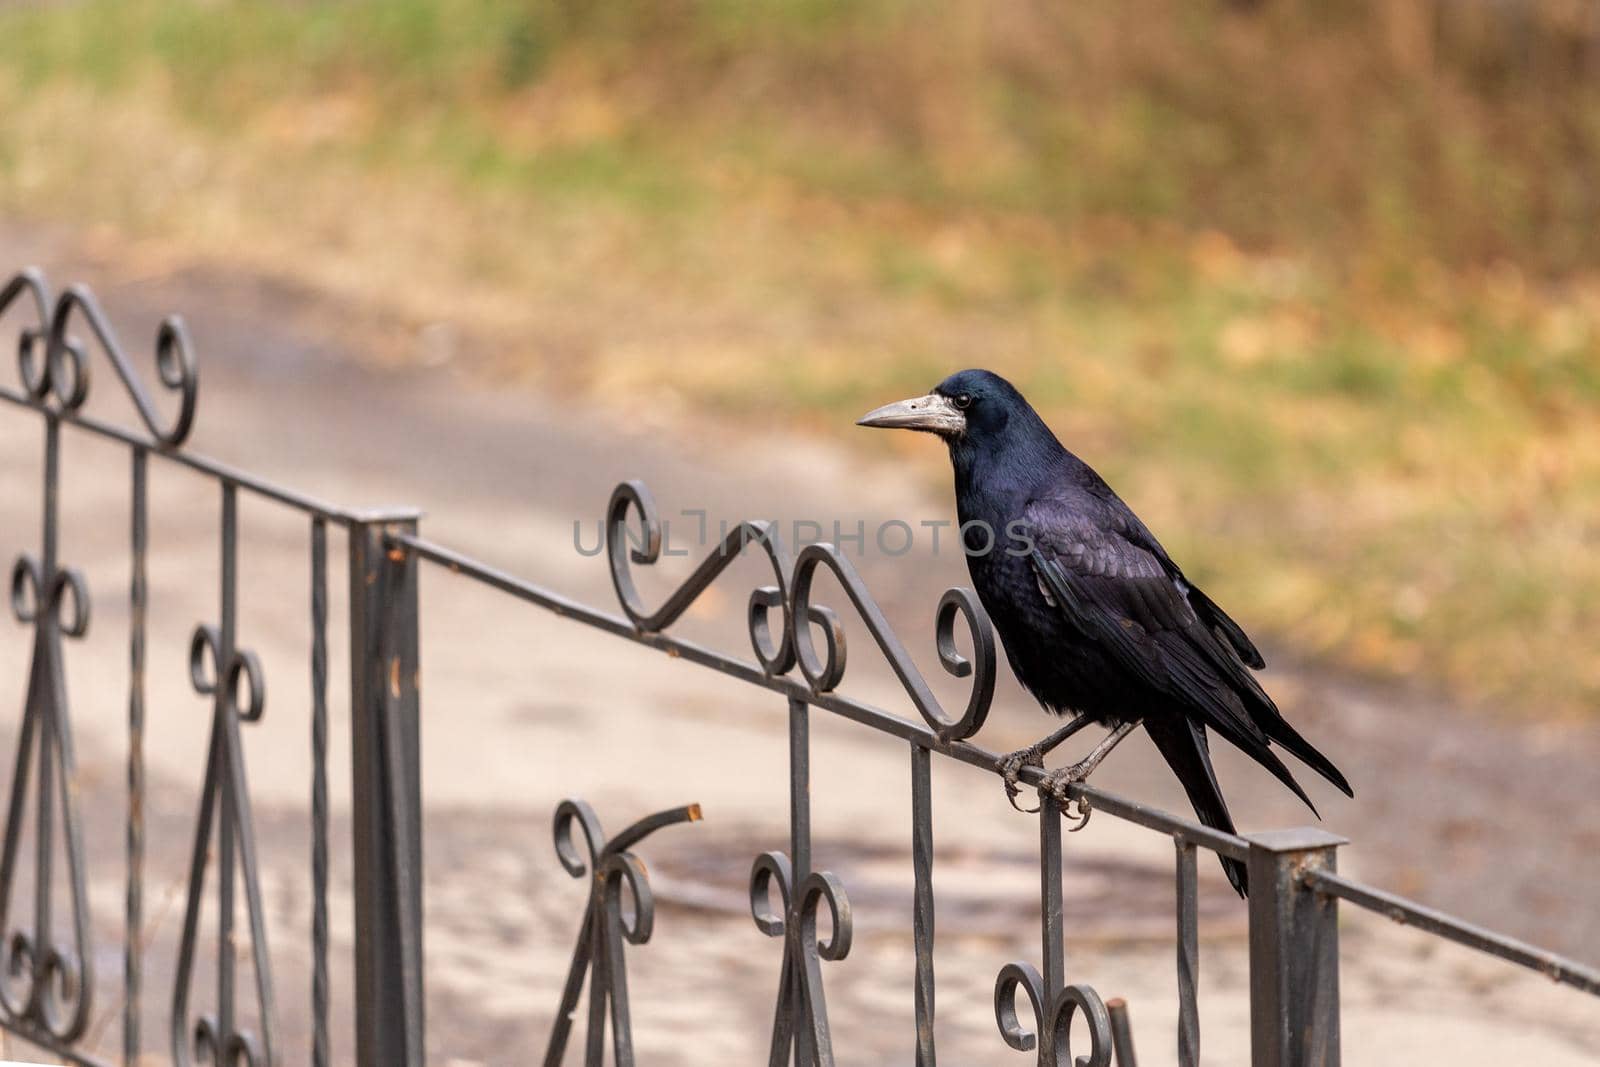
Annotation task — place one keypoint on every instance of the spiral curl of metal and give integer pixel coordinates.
(772, 870)
(615, 870)
(30, 340)
(620, 871)
(790, 594)
(776, 655)
(237, 1049)
(802, 1014)
(1052, 1019)
(825, 672)
(236, 685)
(570, 813)
(823, 887)
(243, 667)
(64, 371)
(16, 963)
(27, 598)
(60, 1005)
(617, 877)
(46, 990)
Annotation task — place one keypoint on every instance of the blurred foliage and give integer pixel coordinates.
(1465, 131)
(1316, 284)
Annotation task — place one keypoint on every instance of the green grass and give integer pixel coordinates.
(1321, 301)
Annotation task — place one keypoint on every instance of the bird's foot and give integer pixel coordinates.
(1011, 771)
(1057, 785)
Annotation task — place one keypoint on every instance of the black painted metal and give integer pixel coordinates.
(321, 1056)
(133, 931)
(1294, 951)
(233, 679)
(387, 808)
(1053, 1001)
(1187, 880)
(1323, 881)
(800, 1023)
(56, 979)
(922, 913)
(45, 981)
(1121, 1032)
(610, 867)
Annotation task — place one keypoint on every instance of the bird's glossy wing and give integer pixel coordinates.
(1230, 636)
(1118, 594)
(1225, 627)
(1210, 613)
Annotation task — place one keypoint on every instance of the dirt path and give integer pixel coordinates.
(1458, 809)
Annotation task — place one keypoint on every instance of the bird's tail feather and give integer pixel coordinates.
(1183, 745)
(1279, 730)
(1266, 716)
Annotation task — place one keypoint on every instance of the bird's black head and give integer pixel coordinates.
(970, 406)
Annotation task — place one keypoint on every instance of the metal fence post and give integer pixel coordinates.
(386, 809)
(1294, 952)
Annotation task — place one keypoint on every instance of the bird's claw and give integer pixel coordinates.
(1057, 784)
(1011, 771)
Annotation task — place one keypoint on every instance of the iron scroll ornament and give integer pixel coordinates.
(776, 655)
(610, 867)
(217, 1039)
(1052, 1018)
(800, 1022)
(792, 597)
(55, 999)
(30, 339)
(54, 365)
(824, 673)
(64, 373)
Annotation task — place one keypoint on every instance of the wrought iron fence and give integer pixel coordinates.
(47, 980)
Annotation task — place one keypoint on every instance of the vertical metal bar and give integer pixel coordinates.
(179, 1016)
(595, 1046)
(44, 852)
(133, 946)
(1121, 1033)
(230, 573)
(562, 1027)
(617, 989)
(799, 789)
(44, 855)
(387, 803)
(783, 1021)
(800, 854)
(1050, 894)
(320, 1055)
(1294, 952)
(52, 477)
(227, 954)
(1187, 882)
(922, 902)
(238, 800)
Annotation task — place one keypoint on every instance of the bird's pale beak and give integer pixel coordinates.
(932, 413)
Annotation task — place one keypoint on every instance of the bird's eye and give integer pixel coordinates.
(963, 401)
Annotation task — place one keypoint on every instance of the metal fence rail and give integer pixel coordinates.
(1409, 913)
(798, 653)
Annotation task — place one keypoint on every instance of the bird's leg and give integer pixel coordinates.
(1056, 782)
(1033, 756)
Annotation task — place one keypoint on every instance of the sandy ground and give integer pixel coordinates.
(522, 709)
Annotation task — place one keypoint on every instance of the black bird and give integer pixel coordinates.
(1097, 620)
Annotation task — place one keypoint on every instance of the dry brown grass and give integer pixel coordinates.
(1316, 296)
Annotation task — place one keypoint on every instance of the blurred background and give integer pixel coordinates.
(1315, 285)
